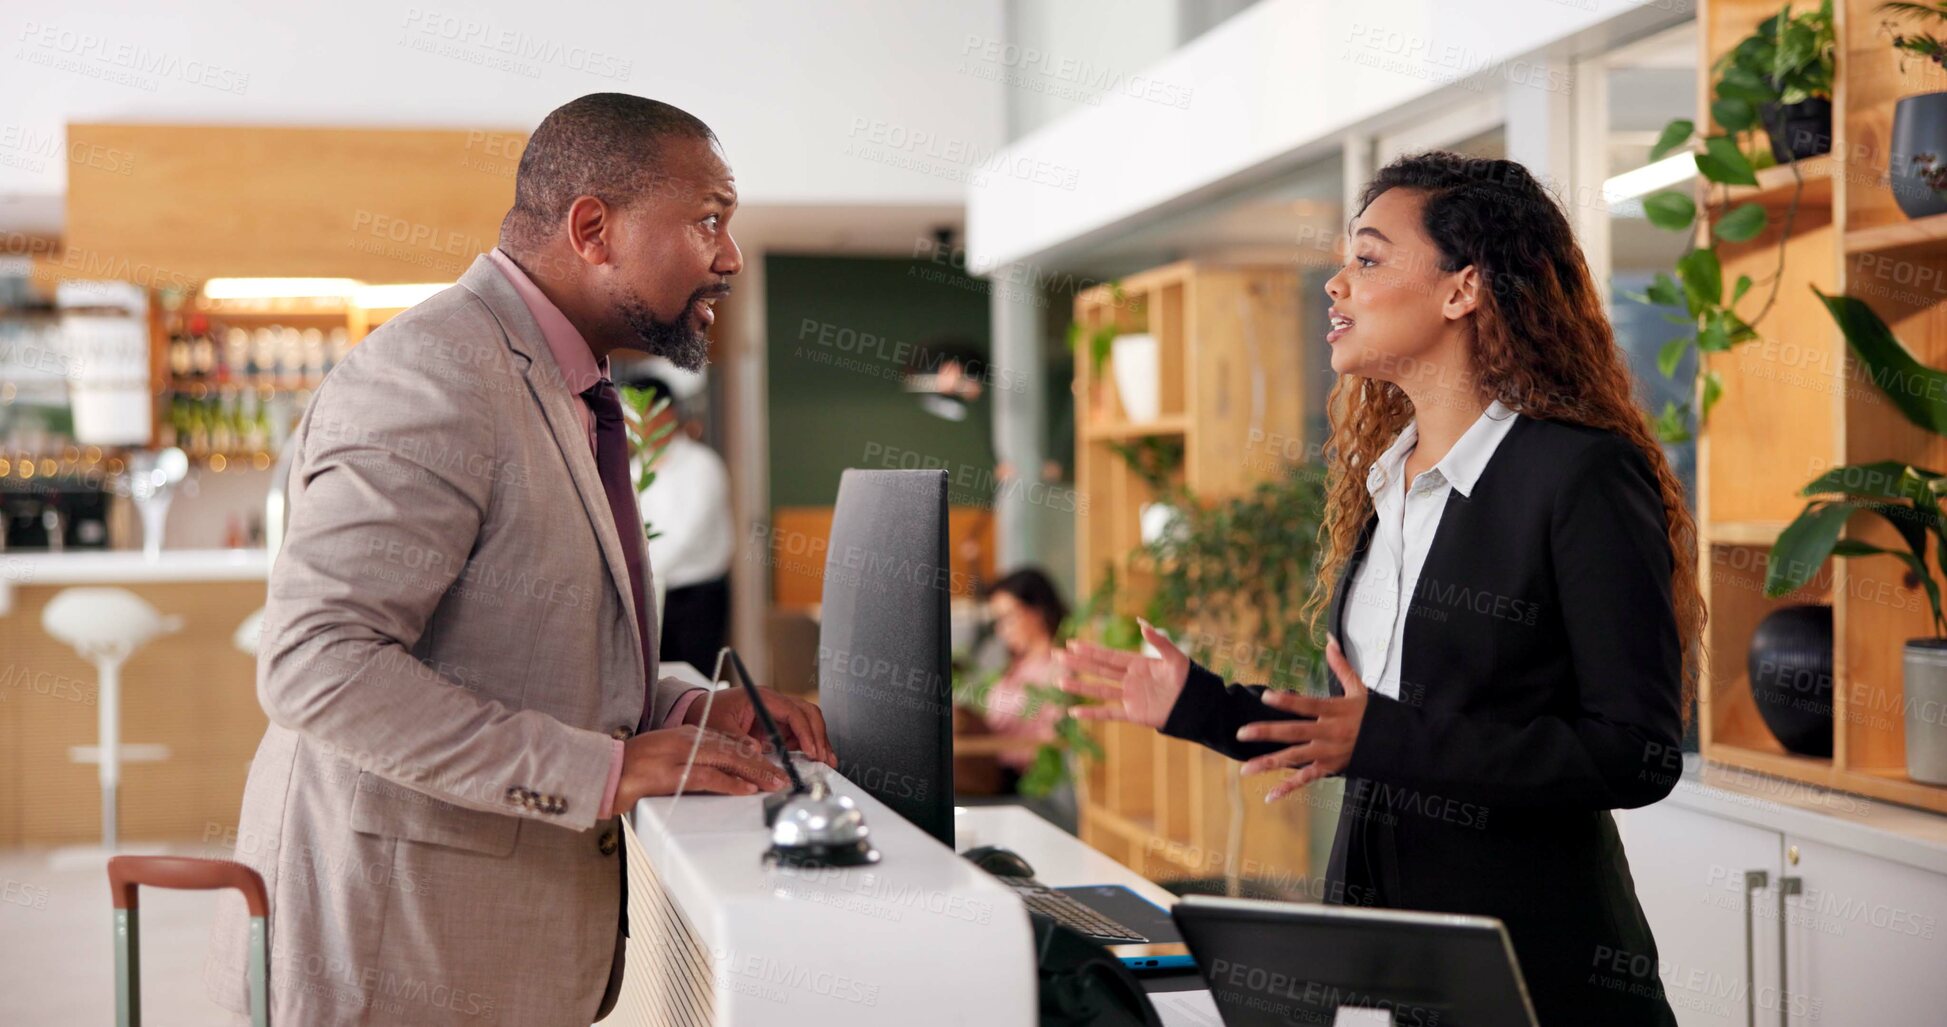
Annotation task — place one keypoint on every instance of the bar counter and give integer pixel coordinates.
(193, 692)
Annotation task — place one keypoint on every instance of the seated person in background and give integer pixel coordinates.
(1026, 611)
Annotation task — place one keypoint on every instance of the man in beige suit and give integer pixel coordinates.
(457, 655)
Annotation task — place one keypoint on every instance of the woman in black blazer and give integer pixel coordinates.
(1543, 661)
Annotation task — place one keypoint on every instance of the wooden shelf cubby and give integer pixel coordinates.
(1796, 403)
(1231, 395)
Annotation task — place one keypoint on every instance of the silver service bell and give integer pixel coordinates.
(819, 828)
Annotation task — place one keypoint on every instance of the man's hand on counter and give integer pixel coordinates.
(801, 723)
(653, 762)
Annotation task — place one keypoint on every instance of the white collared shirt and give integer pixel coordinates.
(1375, 610)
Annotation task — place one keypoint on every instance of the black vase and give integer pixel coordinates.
(1790, 665)
(1917, 167)
(1798, 130)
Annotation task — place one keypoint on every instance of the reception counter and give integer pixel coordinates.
(719, 935)
(192, 694)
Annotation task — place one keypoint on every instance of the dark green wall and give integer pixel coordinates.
(839, 330)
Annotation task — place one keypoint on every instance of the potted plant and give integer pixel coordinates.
(1908, 498)
(1233, 577)
(649, 435)
(1917, 165)
(1780, 76)
(1154, 460)
(1784, 69)
(1100, 342)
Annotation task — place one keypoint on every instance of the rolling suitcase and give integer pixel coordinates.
(126, 873)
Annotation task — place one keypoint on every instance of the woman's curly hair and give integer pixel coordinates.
(1541, 344)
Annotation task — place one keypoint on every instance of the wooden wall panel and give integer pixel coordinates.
(184, 203)
(798, 548)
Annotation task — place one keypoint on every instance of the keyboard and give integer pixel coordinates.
(1071, 913)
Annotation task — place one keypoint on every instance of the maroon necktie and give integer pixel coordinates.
(612, 460)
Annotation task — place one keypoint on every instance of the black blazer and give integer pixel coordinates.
(1539, 689)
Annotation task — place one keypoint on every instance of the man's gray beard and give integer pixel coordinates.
(682, 345)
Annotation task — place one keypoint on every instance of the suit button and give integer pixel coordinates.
(608, 843)
(621, 734)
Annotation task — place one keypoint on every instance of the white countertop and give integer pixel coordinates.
(127, 567)
(1866, 825)
(124, 566)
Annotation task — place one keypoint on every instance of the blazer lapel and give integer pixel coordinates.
(544, 381)
(1335, 613)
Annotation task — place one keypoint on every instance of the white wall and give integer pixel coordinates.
(787, 85)
(1066, 54)
(1281, 80)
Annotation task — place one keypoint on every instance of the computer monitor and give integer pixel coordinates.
(1278, 963)
(884, 678)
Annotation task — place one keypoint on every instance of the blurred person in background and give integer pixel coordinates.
(1026, 611)
(687, 510)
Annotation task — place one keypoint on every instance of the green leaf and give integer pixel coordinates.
(1672, 425)
(1665, 292)
(1046, 773)
(1881, 479)
(1714, 338)
(1675, 134)
(1122, 632)
(1713, 390)
(1671, 355)
(1742, 83)
(1743, 286)
(1797, 48)
(1742, 224)
(1803, 547)
(1723, 163)
(1918, 391)
(1733, 114)
(1737, 328)
(1670, 209)
(1703, 279)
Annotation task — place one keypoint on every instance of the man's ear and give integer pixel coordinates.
(1463, 295)
(589, 224)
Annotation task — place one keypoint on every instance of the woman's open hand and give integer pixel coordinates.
(1323, 744)
(1130, 686)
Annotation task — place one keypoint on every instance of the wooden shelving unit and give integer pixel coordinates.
(1813, 181)
(1231, 387)
(1796, 404)
(1928, 235)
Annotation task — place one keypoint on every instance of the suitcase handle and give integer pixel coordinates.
(126, 873)
(185, 873)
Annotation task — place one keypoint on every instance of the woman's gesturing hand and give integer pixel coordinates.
(1130, 686)
(1323, 744)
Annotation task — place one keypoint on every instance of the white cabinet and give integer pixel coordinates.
(1691, 877)
(1864, 938)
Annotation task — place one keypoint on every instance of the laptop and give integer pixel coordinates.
(1134, 930)
(1271, 964)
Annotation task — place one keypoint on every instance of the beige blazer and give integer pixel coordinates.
(448, 647)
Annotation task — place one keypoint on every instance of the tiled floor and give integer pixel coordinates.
(57, 954)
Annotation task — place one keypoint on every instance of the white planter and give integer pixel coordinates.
(1137, 365)
(1153, 522)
